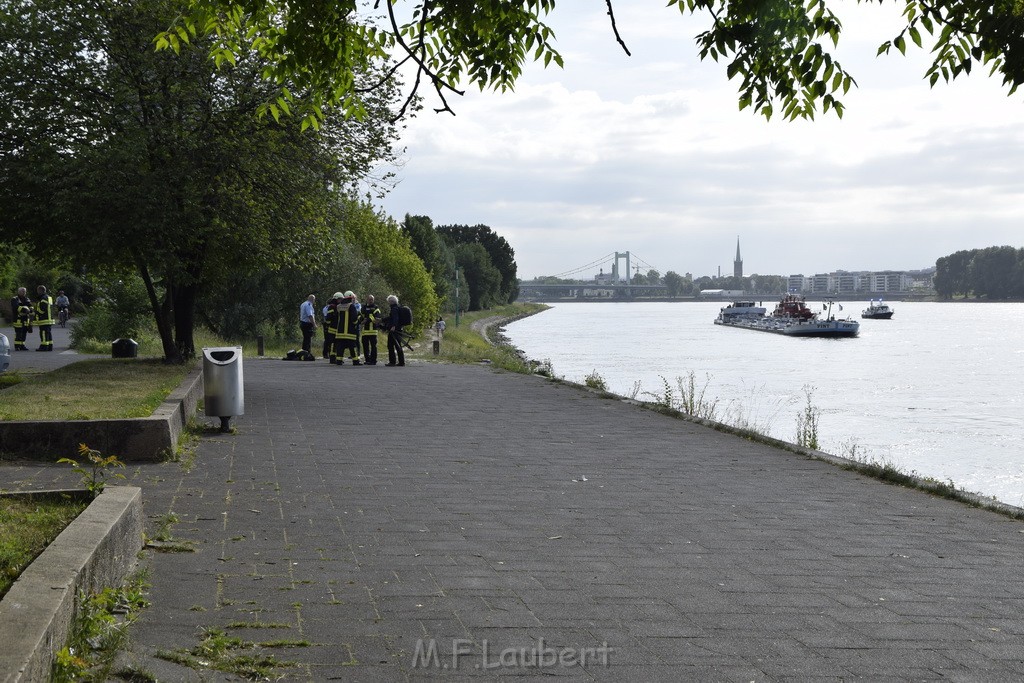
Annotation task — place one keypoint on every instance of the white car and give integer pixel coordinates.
(5, 353)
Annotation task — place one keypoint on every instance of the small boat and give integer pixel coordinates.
(793, 318)
(877, 311)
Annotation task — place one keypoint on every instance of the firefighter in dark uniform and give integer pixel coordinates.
(346, 336)
(370, 319)
(330, 325)
(44, 319)
(22, 312)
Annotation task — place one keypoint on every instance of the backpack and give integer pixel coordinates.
(404, 316)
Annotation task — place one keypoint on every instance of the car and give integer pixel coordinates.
(5, 353)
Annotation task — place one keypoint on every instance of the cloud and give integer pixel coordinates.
(650, 154)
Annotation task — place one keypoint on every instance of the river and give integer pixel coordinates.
(936, 391)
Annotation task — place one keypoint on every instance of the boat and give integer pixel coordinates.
(877, 311)
(792, 318)
(744, 308)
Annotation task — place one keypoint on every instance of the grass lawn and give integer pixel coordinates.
(93, 390)
(27, 526)
(463, 344)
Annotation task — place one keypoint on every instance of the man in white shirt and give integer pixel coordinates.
(307, 322)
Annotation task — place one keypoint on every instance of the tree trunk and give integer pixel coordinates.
(162, 314)
(184, 319)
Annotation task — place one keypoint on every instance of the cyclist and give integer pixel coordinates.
(63, 307)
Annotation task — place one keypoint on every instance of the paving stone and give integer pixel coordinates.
(449, 503)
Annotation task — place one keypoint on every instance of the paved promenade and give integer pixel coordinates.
(379, 513)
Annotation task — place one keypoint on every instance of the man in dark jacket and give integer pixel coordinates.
(394, 325)
(369, 317)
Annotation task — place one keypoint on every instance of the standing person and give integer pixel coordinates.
(307, 322)
(44, 318)
(21, 311)
(357, 307)
(394, 326)
(439, 326)
(346, 337)
(370, 319)
(330, 325)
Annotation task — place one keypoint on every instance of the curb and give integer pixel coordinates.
(136, 439)
(97, 550)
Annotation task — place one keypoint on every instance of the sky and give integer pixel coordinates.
(650, 154)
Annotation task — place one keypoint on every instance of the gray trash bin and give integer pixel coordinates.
(223, 392)
(124, 348)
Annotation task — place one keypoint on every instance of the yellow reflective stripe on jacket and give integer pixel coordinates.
(44, 311)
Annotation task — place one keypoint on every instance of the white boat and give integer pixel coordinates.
(877, 311)
(792, 318)
(742, 308)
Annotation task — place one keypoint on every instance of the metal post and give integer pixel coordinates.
(456, 296)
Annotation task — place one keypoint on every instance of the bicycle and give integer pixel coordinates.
(62, 317)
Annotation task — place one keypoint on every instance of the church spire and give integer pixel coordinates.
(737, 265)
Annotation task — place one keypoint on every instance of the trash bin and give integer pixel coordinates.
(124, 348)
(223, 394)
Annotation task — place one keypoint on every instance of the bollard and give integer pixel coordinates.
(259, 345)
(437, 347)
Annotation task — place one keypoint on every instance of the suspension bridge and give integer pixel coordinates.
(602, 278)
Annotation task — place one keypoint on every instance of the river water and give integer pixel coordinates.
(937, 390)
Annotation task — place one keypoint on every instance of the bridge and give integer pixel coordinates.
(583, 283)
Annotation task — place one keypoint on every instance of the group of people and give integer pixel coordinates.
(351, 327)
(40, 313)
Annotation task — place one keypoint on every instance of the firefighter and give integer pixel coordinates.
(44, 319)
(346, 338)
(21, 311)
(330, 319)
(369, 317)
(331, 326)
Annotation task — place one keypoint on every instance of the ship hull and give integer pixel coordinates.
(810, 328)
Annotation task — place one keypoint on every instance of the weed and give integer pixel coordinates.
(807, 422)
(95, 478)
(99, 631)
(692, 400)
(219, 651)
(595, 381)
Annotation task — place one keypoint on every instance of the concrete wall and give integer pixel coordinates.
(97, 550)
(138, 439)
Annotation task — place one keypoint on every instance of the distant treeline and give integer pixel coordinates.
(991, 273)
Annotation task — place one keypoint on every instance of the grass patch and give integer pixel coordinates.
(221, 652)
(465, 344)
(93, 390)
(27, 525)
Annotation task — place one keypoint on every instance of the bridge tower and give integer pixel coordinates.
(615, 267)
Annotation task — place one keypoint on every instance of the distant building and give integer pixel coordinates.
(737, 265)
(721, 293)
(866, 282)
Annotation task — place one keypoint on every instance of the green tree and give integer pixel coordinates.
(499, 251)
(117, 154)
(779, 52)
(482, 278)
(674, 283)
(994, 272)
(389, 253)
(429, 247)
(952, 274)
